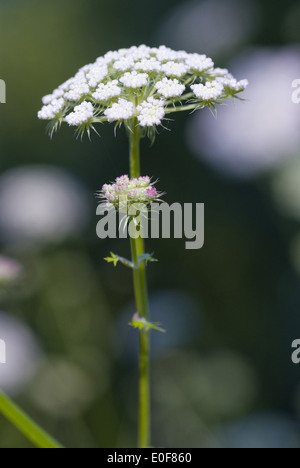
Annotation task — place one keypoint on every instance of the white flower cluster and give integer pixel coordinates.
(52, 110)
(50, 98)
(199, 63)
(174, 69)
(219, 88)
(151, 112)
(134, 80)
(170, 88)
(96, 74)
(232, 84)
(140, 84)
(148, 65)
(122, 110)
(82, 114)
(212, 91)
(77, 91)
(105, 92)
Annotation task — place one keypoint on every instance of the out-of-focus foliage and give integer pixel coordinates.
(222, 375)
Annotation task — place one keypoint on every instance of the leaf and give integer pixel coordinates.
(115, 259)
(142, 324)
(112, 259)
(146, 258)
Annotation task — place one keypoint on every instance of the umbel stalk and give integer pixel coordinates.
(142, 305)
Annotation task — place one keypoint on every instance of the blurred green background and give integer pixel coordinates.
(222, 375)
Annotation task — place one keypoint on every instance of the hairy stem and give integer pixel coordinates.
(141, 298)
(22, 422)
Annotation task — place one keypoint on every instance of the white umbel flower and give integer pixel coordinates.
(81, 115)
(110, 57)
(219, 72)
(78, 90)
(209, 92)
(148, 65)
(96, 75)
(51, 111)
(151, 112)
(174, 69)
(242, 85)
(199, 63)
(134, 80)
(124, 64)
(233, 85)
(129, 86)
(58, 93)
(66, 86)
(138, 53)
(170, 88)
(122, 110)
(105, 92)
(165, 54)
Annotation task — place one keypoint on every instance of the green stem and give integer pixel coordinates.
(141, 298)
(182, 98)
(170, 110)
(22, 422)
(134, 142)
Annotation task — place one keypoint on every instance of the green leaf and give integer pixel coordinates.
(146, 258)
(112, 259)
(115, 259)
(142, 324)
